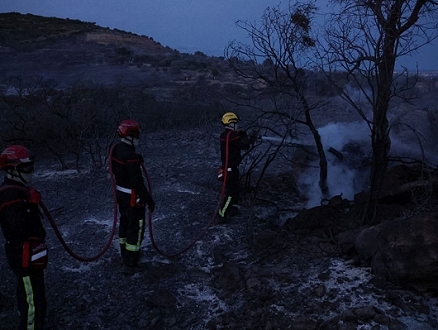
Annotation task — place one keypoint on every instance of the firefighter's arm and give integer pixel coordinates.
(136, 179)
(253, 135)
(34, 196)
(146, 199)
(243, 142)
(23, 220)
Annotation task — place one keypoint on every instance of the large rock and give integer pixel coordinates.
(335, 216)
(404, 251)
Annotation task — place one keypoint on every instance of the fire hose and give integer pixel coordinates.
(58, 233)
(202, 233)
(115, 219)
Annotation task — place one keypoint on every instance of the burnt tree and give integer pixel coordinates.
(364, 40)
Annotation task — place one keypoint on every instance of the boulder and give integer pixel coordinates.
(403, 251)
(336, 215)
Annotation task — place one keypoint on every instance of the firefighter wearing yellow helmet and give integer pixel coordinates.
(229, 118)
(232, 142)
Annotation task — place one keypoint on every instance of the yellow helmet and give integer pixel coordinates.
(229, 118)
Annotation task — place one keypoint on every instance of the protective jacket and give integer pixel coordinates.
(237, 141)
(132, 196)
(126, 167)
(19, 218)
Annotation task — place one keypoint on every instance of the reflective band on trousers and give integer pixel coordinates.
(224, 209)
(30, 303)
(136, 247)
(125, 190)
(38, 255)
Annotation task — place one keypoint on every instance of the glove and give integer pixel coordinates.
(146, 199)
(253, 135)
(242, 134)
(34, 196)
(140, 158)
(151, 205)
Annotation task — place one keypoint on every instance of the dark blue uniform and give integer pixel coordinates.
(237, 141)
(132, 196)
(20, 220)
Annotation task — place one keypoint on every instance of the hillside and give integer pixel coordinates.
(71, 52)
(30, 32)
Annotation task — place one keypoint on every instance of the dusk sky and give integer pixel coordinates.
(185, 25)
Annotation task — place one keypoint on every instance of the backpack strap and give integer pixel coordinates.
(14, 201)
(11, 202)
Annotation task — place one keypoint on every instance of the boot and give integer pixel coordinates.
(128, 270)
(130, 262)
(137, 258)
(233, 210)
(220, 220)
(122, 251)
(229, 213)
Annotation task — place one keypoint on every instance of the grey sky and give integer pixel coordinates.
(186, 25)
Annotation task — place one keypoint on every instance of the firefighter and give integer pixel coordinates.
(131, 193)
(24, 233)
(237, 141)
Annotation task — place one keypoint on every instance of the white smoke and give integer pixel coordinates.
(348, 176)
(345, 177)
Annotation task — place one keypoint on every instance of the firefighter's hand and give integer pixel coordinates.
(253, 136)
(151, 206)
(242, 134)
(144, 200)
(139, 203)
(140, 158)
(34, 196)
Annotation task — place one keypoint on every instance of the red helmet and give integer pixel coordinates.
(129, 127)
(15, 155)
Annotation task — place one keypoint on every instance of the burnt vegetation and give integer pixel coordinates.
(84, 78)
(66, 84)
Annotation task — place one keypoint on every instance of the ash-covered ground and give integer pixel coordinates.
(247, 274)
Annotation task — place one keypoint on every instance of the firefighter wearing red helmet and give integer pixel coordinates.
(232, 142)
(24, 233)
(131, 193)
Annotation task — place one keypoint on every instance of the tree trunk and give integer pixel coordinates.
(381, 142)
(321, 153)
(381, 145)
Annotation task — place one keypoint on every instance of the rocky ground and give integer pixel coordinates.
(251, 273)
